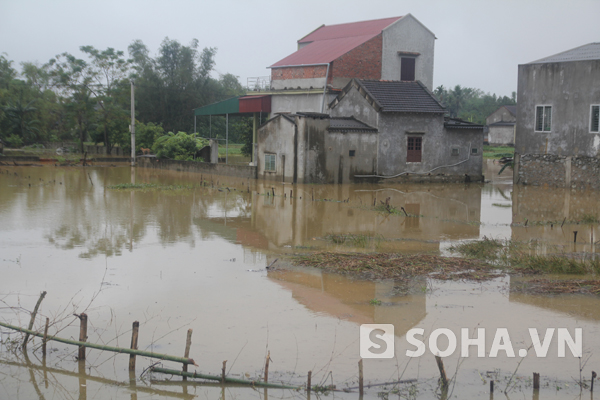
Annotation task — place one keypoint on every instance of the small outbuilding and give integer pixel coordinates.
(501, 126)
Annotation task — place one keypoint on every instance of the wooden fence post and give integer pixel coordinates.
(134, 344)
(188, 345)
(83, 318)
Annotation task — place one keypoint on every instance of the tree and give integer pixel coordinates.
(180, 146)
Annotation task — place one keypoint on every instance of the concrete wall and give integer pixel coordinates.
(500, 115)
(559, 171)
(198, 167)
(328, 158)
(304, 102)
(277, 137)
(570, 88)
(501, 134)
(408, 35)
(354, 104)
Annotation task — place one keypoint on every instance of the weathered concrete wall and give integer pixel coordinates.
(199, 167)
(339, 166)
(570, 88)
(305, 102)
(545, 169)
(501, 135)
(500, 115)
(408, 35)
(354, 104)
(277, 137)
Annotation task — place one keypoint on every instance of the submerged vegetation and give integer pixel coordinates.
(148, 186)
(528, 257)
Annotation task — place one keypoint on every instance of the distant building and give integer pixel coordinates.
(377, 130)
(398, 48)
(558, 132)
(501, 126)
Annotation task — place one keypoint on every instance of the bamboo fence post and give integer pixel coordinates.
(574, 236)
(592, 384)
(104, 347)
(361, 389)
(82, 334)
(308, 383)
(45, 337)
(186, 354)
(536, 381)
(223, 371)
(134, 344)
(267, 366)
(32, 320)
(220, 377)
(440, 365)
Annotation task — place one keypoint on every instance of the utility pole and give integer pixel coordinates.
(132, 124)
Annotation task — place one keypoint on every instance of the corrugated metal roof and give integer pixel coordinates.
(229, 106)
(361, 28)
(349, 124)
(458, 123)
(402, 96)
(332, 41)
(589, 51)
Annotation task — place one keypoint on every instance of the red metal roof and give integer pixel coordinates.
(250, 104)
(330, 42)
(362, 28)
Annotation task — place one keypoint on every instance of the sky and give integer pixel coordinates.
(479, 43)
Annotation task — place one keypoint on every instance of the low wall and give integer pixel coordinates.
(240, 171)
(580, 172)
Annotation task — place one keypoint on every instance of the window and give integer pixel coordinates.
(269, 162)
(352, 153)
(543, 118)
(407, 68)
(414, 146)
(455, 152)
(474, 151)
(595, 118)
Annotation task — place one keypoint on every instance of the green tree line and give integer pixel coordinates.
(88, 99)
(471, 104)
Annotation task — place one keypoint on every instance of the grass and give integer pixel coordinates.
(398, 266)
(525, 257)
(498, 152)
(358, 240)
(232, 149)
(375, 302)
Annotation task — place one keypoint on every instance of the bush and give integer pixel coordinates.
(180, 146)
(13, 142)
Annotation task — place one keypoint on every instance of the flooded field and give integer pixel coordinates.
(190, 251)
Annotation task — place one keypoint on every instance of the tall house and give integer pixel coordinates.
(327, 59)
(558, 135)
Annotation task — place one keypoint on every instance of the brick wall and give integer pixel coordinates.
(317, 71)
(363, 62)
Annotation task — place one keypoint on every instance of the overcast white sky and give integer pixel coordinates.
(480, 43)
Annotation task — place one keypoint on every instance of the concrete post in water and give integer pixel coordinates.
(83, 318)
(134, 344)
(536, 381)
(592, 383)
(574, 236)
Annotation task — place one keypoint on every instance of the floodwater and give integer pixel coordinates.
(195, 258)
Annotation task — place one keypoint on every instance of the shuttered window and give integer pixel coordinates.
(269, 162)
(595, 119)
(414, 148)
(543, 118)
(407, 68)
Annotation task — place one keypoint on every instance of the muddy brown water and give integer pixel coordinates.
(195, 258)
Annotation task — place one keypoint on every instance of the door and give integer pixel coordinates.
(414, 147)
